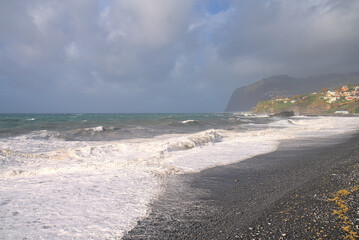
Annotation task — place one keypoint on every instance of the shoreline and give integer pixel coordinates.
(270, 196)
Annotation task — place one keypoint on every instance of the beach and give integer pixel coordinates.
(286, 194)
(175, 176)
(179, 119)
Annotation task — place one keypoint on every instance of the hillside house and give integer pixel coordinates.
(332, 94)
(341, 112)
(332, 99)
(285, 100)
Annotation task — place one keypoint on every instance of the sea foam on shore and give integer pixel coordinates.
(53, 187)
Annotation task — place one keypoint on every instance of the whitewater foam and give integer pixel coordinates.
(188, 121)
(53, 188)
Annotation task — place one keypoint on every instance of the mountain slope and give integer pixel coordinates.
(339, 100)
(247, 97)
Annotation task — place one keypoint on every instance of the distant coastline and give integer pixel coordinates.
(342, 100)
(247, 97)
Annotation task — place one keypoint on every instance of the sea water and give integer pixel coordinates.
(93, 176)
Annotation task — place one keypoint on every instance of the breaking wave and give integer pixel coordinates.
(189, 121)
(72, 183)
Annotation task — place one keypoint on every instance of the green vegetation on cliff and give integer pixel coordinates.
(344, 100)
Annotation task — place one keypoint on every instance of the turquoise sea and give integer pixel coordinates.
(117, 126)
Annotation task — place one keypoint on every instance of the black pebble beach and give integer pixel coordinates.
(286, 194)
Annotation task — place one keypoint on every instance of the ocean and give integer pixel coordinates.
(93, 176)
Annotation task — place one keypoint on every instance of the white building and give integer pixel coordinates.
(341, 112)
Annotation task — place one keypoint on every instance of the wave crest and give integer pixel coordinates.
(195, 140)
(189, 121)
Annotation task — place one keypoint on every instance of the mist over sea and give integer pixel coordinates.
(92, 176)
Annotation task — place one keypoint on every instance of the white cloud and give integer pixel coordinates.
(210, 22)
(132, 50)
(152, 23)
(72, 51)
(41, 15)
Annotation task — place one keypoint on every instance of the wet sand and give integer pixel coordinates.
(285, 194)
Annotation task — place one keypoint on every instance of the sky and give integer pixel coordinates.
(128, 56)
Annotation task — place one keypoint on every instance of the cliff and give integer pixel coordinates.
(247, 97)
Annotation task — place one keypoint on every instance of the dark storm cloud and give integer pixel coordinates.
(163, 56)
(297, 37)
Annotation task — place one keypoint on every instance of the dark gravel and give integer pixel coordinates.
(281, 195)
